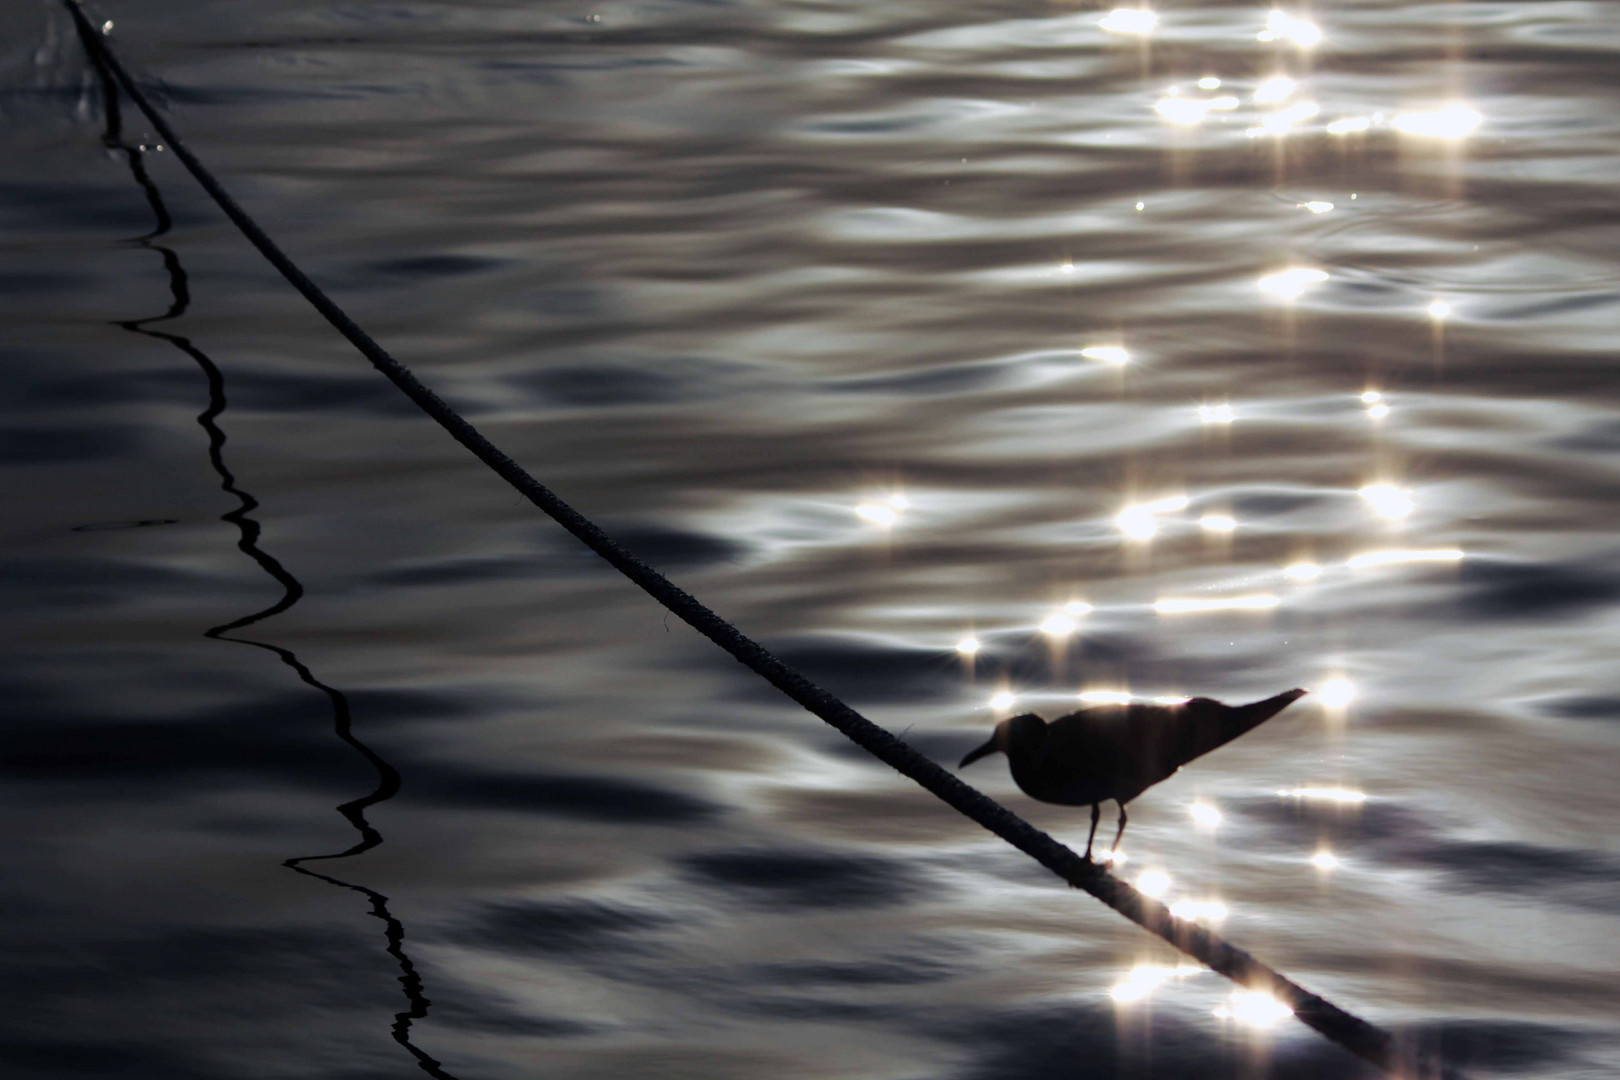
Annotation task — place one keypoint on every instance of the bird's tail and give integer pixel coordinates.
(1219, 725)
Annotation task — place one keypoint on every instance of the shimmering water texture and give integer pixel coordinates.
(979, 360)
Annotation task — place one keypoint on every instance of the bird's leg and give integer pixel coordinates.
(1096, 812)
(1119, 834)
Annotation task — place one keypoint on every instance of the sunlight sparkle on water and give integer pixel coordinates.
(1204, 814)
(1318, 206)
(1378, 411)
(1217, 414)
(1349, 124)
(1281, 26)
(1303, 571)
(1105, 697)
(1439, 309)
(1180, 110)
(1058, 626)
(1137, 524)
(1324, 794)
(1253, 1008)
(1389, 500)
(1224, 103)
(1166, 506)
(1171, 699)
(1335, 693)
(1274, 90)
(1206, 911)
(1077, 607)
(1143, 979)
(1371, 396)
(1129, 21)
(1209, 82)
(1137, 521)
(1258, 602)
(1003, 700)
(1111, 354)
(1154, 883)
(1385, 558)
(968, 646)
(877, 513)
(898, 501)
(1112, 858)
(1452, 122)
(1324, 860)
(1217, 523)
(1290, 284)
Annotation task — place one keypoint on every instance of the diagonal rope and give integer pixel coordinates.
(1364, 1040)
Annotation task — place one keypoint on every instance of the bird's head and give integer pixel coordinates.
(1007, 733)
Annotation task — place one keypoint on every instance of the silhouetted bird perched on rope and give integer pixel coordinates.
(1118, 751)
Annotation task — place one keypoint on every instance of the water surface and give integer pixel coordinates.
(744, 281)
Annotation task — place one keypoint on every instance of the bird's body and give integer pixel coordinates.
(1118, 751)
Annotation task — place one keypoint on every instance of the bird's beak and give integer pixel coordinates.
(982, 751)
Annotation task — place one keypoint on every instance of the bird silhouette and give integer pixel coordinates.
(1117, 751)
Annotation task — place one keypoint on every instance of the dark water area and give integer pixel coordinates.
(325, 755)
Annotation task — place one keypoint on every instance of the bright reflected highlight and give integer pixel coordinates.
(1378, 411)
(1389, 500)
(1058, 626)
(1343, 796)
(1129, 21)
(1253, 1008)
(1143, 979)
(1385, 558)
(1137, 524)
(1336, 693)
(1283, 27)
(1180, 110)
(1217, 414)
(1209, 82)
(1452, 122)
(1105, 697)
(877, 513)
(1348, 125)
(968, 646)
(1204, 911)
(1154, 883)
(1274, 90)
(1302, 572)
(1077, 607)
(1439, 309)
(1108, 354)
(1318, 206)
(1003, 701)
(1291, 284)
(1325, 860)
(1205, 814)
(1257, 602)
(1216, 523)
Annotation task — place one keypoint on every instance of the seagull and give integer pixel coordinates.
(1117, 751)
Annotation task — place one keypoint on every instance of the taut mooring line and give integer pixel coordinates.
(1371, 1044)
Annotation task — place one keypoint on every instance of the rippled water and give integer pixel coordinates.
(742, 281)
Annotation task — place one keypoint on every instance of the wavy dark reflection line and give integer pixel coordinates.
(292, 590)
